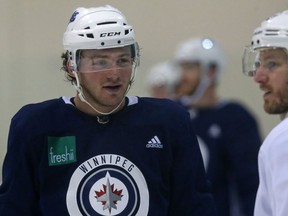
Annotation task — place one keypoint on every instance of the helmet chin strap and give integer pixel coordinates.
(104, 118)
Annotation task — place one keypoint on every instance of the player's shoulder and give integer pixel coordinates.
(279, 131)
(161, 109)
(232, 112)
(233, 107)
(164, 105)
(275, 142)
(38, 110)
(39, 106)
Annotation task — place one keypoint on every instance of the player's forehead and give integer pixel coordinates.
(189, 65)
(273, 53)
(119, 51)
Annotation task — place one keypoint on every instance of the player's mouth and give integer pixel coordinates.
(267, 93)
(112, 88)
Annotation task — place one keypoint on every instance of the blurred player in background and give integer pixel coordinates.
(228, 133)
(163, 79)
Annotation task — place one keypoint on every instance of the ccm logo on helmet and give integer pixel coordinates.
(110, 34)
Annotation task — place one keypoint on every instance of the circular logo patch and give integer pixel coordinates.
(107, 185)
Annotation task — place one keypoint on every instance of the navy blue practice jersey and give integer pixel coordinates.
(145, 161)
(230, 140)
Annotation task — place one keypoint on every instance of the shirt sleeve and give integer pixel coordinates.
(18, 193)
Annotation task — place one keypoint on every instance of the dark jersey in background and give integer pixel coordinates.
(230, 140)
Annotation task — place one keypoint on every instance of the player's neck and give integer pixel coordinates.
(84, 107)
(283, 115)
(208, 99)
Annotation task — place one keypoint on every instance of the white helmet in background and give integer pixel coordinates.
(98, 28)
(207, 52)
(272, 33)
(163, 74)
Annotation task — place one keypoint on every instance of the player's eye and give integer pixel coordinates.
(124, 62)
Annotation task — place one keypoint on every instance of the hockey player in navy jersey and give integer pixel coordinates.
(102, 152)
(228, 133)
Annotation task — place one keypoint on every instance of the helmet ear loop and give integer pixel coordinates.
(78, 87)
(76, 84)
(133, 75)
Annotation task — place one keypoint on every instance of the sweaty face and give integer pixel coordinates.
(104, 76)
(272, 76)
(190, 78)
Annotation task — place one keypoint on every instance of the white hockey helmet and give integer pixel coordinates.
(163, 74)
(272, 33)
(205, 51)
(98, 28)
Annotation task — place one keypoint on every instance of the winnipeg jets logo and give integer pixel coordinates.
(108, 196)
(107, 185)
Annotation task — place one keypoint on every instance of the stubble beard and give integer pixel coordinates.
(278, 105)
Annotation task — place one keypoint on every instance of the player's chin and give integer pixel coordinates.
(274, 107)
(114, 99)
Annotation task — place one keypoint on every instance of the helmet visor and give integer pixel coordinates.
(264, 57)
(91, 62)
(249, 60)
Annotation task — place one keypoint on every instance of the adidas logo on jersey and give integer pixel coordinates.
(154, 143)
